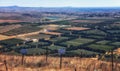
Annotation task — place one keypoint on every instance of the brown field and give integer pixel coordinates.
(50, 27)
(3, 37)
(9, 21)
(38, 63)
(52, 33)
(38, 36)
(7, 28)
(86, 21)
(77, 28)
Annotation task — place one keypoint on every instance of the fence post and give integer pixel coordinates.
(46, 54)
(5, 65)
(60, 61)
(112, 59)
(22, 61)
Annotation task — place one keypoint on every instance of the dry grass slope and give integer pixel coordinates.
(38, 63)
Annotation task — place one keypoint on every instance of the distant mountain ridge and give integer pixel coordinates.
(57, 9)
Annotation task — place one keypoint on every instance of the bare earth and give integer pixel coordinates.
(77, 28)
(3, 37)
(9, 21)
(52, 33)
(8, 28)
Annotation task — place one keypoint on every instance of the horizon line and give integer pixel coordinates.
(62, 6)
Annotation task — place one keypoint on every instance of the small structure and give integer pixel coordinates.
(35, 40)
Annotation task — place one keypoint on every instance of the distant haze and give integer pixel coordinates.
(61, 3)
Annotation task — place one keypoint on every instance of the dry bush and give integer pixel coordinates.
(38, 63)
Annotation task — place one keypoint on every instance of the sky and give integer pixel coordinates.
(61, 3)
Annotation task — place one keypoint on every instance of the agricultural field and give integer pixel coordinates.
(95, 32)
(9, 42)
(116, 43)
(36, 51)
(59, 39)
(101, 47)
(55, 48)
(87, 21)
(82, 52)
(40, 39)
(7, 28)
(104, 42)
(73, 38)
(38, 36)
(77, 42)
(22, 30)
(77, 28)
(51, 33)
(3, 37)
(9, 21)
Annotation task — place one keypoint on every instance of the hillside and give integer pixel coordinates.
(38, 63)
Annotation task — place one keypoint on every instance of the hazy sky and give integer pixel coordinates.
(61, 3)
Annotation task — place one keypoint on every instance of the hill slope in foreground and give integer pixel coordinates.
(38, 63)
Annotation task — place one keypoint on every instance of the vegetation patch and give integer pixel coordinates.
(101, 47)
(77, 42)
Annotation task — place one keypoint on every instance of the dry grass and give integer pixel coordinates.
(10, 21)
(86, 21)
(7, 28)
(37, 63)
(3, 37)
(77, 28)
(117, 51)
(52, 33)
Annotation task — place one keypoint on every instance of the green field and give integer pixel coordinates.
(82, 51)
(11, 42)
(101, 47)
(89, 42)
(37, 43)
(77, 42)
(103, 42)
(95, 32)
(58, 39)
(55, 47)
(116, 43)
(35, 51)
(95, 36)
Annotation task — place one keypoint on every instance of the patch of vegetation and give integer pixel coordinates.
(58, 39)
(116, 43)
(95, 32)
(36, 51)
(55, 48)
(22, 30)
(103, 42)
(77, 42)
(11, 42)
(82, 52)
(101, 47)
